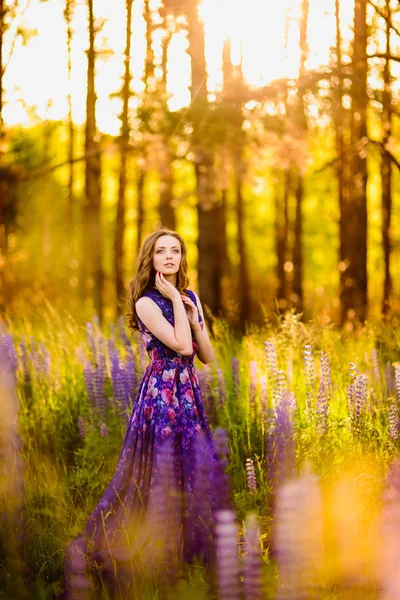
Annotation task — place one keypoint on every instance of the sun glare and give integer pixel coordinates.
(264, 36)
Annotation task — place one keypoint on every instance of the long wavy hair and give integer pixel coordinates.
(145, 276)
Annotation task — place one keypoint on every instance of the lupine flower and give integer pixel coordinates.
(253, 387)
(280, 449)
(163, 514)
(324, 395)
(389, 379)
(221, 388)
(251, 475)
(281, 387)
(99, 379)
(88, 374)
(8, 354)
(103, 430)
(360, 399)
(91, 340)
(205, 380)
(253, 567)
(389, 536)
(263, 398)
(227, 555)
(394, 423)
(82, 428)
(375, 366)
(122, 333)
(25, 362)
(397, 380)
(297, 545)
(271, 359)
(221, 441)
(121, 390)
(131, 373)
(309, 375)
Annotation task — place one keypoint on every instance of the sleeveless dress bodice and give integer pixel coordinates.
(156, 350)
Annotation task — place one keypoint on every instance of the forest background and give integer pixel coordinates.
(266, 133)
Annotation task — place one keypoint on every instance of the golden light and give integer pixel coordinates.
(264, 34)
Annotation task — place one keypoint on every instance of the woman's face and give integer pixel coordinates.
(167, 255)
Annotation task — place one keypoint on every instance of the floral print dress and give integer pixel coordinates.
(168, 480)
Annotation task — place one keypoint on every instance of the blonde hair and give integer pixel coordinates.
(144, 278)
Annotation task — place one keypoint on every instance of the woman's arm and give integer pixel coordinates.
(206, 350)
(177, 337)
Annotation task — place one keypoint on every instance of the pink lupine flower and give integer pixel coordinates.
(251, 475)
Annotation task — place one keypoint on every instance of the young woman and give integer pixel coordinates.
(168, 481)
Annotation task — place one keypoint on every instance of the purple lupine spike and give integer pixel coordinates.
(359, 404)
(389, 536)
(397, 380)
(263, 399)
(281, 387)
(227, 555)
(353, 372)
(123, 335)
(252, 562)
(253, 387)
(99, 378)
(46, 359)
(375, 366)
(81, 427)
(90, 335)
(222, 442)
(131, 373)
(394, 422)
(88, 374)
(235, 377)
(207, 393)
(271, 360)
(309, 376)
(8, 354)
(163, 514)
(221, 388)
(103, 430)
(25, 362)
(121, 391)
(324, 395)
(297, 546)
(389, 379)
(251, 475)
(280, 449)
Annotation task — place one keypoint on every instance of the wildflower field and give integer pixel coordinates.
(307, 420)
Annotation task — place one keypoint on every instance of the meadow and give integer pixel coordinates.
(309, 417)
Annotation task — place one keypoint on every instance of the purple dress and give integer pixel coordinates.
(157, 510)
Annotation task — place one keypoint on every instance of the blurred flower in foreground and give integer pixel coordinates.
(253, 567)
(227, 555)
(297, 537)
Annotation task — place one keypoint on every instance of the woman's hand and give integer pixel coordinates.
(165, 287)
(192, 312)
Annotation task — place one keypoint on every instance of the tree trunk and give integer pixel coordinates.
(386, 170)
(69, 5)
(209, 268)
(340, 119)
(297, 296)
(140, 206)
(244, 282)
(124, 148)
(281, 235)
(167, 211)
(3, 180)
(354, 291)
(92, 238)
